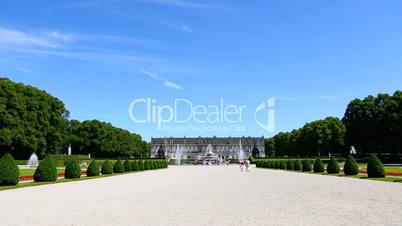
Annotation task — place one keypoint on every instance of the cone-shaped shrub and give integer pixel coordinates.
(127, 166)
(306, 166)
(282, 165)
(107, 167)
(93, 169)
(118, 167)
(351, 167)
(152, 164)
(9, 171)
(72, 170)
(290, 165)
(146, 165)
(46, 170)
(318, 166)
(141, 166)
(375, 167)
(297, 165)
(333, 166)
(134, 165)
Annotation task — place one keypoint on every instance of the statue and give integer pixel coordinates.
(161, 152)
(255, 152)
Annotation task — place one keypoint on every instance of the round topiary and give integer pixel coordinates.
(297, 165)
(282, 165)
(351, 167)
(127, 166)
(9, 171)
(141, 165)
(306, 166)
(118, 167)
(93, 169)
(318, 166)
(333, 166)
(375, 167)
(72, 170)
(107, 167)
(146, 165)
(46, 170)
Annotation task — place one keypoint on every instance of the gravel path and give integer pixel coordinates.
(206, 195)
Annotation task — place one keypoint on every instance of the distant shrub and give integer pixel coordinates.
(46, 170)
(297, 165)
(333, 166)
(127, 166)
(93, 169)
(118, 167)
(72, 170)
(107, 167)
(282, 165)
(351, 167)
(9, 171)
(152, 164)
(146, 165)
(306, 166)
(290, 165)
(141, 165)
(134, 165)
(318, 166)
(375, 167)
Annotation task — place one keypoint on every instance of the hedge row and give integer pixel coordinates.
(374, 167)
(47, 171)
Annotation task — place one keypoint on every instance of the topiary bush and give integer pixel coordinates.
(9, 171)
(146, 165)
(107, 167)
(118, 167)
(333, 166)
(93, 169)
(351, 167)
(72, 170)
(141, 165)
(127, 166)
(318, 166)
(375, 167)
(290, 165)
(297, 165)
(46, 170)
(306, 166)
(282, 165)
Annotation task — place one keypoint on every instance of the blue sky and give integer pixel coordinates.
(99, 55)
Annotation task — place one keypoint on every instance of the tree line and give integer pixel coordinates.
(31, 120)
(371, 125)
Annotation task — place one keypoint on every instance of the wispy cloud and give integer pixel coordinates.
(165, 82)
(187, 29)
(11, 37)
(285, 98)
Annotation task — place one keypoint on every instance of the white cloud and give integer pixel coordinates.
(12, 37)
(165, 82)
(329, 97)
(172, 85)
(187, 29)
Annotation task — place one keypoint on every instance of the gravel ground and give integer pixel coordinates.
(206, 195)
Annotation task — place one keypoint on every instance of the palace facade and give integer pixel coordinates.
(193, 147)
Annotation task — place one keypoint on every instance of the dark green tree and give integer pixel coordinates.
(127, 166)
(333, 166)
(107, 167)
(318, 166)
(351, 167)
(306, 166)
(93, 169)
(297, 165)
(72, 170)
(118, 167)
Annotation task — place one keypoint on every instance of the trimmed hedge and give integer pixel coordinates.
(306, 166)
(146, 165)
(107, 167)
(375, 167)
(118, 167)
(93, 169)
(333, 166)
(46, 170)
(290, 165)
(282, 165)
(9, 171)
(141, 166)
(297, 165)
(127, 166)
(72, 170)
(351, 167)
(318, 166)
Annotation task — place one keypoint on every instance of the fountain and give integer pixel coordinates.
(33, 160)
(179, 154)
(209, 158)
(353, 150)
(69, 150)
(241, 152)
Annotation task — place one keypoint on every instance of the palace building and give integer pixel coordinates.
(191, 148)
